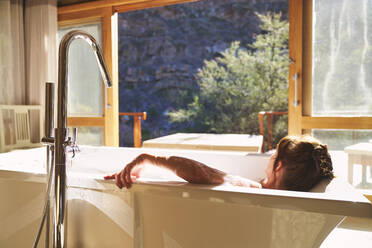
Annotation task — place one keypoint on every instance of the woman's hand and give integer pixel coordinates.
(126, 176)
(130, 173)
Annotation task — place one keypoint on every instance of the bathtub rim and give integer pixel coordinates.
(269, 198)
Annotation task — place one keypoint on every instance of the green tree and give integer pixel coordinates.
(242, 82)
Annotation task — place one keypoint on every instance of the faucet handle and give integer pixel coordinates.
(48, 140)
(74, 135)
(71, 142)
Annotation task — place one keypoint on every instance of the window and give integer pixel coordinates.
(341, 63)
(102, 118)
(85, 88)
(91, 107)
(85, 91)
(330, 51)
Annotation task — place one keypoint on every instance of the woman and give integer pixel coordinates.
(299, 163)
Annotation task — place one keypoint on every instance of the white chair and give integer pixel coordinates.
(16, 123)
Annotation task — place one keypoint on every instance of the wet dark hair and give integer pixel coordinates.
(305, 161)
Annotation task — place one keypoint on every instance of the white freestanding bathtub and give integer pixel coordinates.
(164, 211)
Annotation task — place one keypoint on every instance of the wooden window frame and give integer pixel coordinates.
(300, 50)
(300, 120)
(106, 11)
(109, 121)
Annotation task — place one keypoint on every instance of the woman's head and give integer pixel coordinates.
(299, 164)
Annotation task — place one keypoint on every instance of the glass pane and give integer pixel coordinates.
(89, 136)
(351, 152)
(342, 39)
(85, 97)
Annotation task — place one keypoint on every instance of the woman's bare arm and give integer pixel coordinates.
(188, 169)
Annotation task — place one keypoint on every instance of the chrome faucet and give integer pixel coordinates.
(62, 143)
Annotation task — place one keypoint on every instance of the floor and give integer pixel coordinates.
(352, 232)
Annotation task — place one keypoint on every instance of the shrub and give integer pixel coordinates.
(241, 82)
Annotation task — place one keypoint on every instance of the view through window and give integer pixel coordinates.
(204, 67)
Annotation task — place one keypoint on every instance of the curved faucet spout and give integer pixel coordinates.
(63, 69)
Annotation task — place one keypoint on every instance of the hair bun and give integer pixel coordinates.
(323, 161)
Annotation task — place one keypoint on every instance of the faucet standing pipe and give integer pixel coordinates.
(61, 139)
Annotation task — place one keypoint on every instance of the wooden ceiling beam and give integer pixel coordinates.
(118, 5)
(147, 5)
